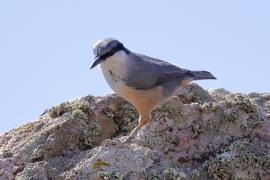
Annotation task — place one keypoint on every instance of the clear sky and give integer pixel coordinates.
(46, 46)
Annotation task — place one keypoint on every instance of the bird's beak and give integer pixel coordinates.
(97, 61)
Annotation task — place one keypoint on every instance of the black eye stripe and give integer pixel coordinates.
(118, 47)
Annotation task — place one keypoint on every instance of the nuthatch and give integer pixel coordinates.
(144, 81)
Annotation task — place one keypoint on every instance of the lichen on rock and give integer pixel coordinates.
(201, 134)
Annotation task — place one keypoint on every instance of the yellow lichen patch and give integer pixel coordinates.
(99, 163)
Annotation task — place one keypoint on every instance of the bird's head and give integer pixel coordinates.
(106, 48)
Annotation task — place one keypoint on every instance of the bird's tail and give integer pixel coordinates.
(199, 75)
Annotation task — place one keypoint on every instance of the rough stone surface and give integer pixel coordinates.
(202, 134)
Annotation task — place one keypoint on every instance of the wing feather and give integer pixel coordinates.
(146, 72)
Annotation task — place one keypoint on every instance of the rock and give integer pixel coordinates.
(114, 159)
(218, 93)
(194, 93)
(198, 135)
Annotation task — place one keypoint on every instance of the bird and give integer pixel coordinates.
(144, 81)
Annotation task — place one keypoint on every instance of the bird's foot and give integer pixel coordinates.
(127, 139)
(131, 135)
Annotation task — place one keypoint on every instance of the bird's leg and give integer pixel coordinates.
(132, 134)
(142, 121)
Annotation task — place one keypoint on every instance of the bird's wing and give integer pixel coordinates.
(146, 72)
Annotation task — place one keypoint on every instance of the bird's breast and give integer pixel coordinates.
(115, 70)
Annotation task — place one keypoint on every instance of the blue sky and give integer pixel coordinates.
(46, 46)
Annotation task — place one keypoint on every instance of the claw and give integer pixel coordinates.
(132, 135)
(127, 139)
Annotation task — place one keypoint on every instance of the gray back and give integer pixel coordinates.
(145, 73)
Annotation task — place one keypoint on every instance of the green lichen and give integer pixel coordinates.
(221, 169)
(169, 148)
(158, 140)
(59, 110)
(174, 174)
(153, 174)
(108, 175)
(109, 114)
(81, 105)
(245, 154)
(210, 107)
(213, 123)
(88, 137)
(231, 115)
(77, 113)
(70, 106)
(5, 153)
(244, 104)
(195, 175)
(169, 111)
(251, 153)
(190, 96)
(254, 120)
(94, 129)
(168, 174)
(130, 113)
(129, 119)
(267, 107)
(239, 146)
(197, 129)
(265, 163)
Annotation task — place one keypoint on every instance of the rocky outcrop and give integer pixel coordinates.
(199, 135)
